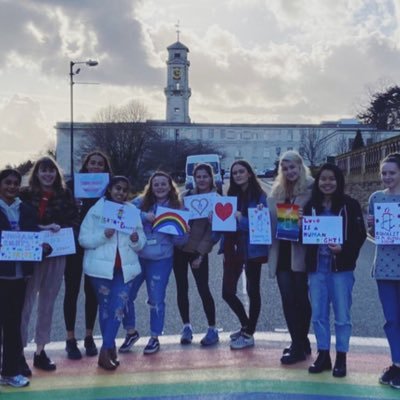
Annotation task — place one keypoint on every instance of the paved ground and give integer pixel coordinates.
(191, 372)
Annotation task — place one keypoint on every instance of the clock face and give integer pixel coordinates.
(176, 73)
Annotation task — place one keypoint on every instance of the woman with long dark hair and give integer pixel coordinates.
(56, 209)
(331, 267)
(240, 254)
(195, 253)
(94, 162)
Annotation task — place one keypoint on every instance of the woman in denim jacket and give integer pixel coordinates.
(239, 253)
(156, 259)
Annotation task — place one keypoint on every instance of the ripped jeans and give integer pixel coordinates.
(156, 274)
(112, 296)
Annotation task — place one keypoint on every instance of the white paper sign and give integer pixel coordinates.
(122, 217)
(224, 209)
(199, 205)
(90, 185)
(62, 242)
(171, 221)
(259, 226)
(20, 246)
(322, 230)
(387, 223)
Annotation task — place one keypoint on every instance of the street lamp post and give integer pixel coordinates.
(72, 72)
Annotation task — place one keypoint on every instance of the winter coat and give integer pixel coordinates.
(100, 251)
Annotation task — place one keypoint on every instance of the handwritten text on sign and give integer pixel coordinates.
(322, 230)
(20, 246)
(259, 226)
(387, 223)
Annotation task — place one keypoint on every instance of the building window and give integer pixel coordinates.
(266, 153)
(177, 55)
(211, 134)
(177, 109)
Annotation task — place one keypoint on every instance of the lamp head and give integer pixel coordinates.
(91, 63)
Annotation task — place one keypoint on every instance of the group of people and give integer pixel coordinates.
(311, 278)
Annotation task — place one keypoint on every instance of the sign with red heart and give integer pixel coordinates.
(224, 208)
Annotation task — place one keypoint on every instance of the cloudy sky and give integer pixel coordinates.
(272, 61)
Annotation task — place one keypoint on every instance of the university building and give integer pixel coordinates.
(261, 144)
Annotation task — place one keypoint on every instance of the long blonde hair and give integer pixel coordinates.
(280, 188)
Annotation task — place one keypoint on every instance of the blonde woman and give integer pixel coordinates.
(286, 258)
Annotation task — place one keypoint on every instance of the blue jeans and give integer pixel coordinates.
(389, 294)
(336, 288)
(112, 296)
(156, 275)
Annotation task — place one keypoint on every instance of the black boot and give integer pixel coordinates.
(322, 363)
(339, 370)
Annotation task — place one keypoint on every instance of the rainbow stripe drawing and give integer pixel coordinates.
(172, 222)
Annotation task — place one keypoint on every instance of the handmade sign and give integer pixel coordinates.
(171, 221)
(322, 230)
(224, 209)
(259, 226)
(62, 242)
(90, 185)
(199, 205)
(20, 246)
(387, 223)
(287, 227)
(122, 217)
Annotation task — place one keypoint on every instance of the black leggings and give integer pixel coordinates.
(181, 262)
(72, 277)
(293, 287)
(232, 271)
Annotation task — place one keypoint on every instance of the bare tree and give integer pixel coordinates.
(342, 145)
(313, 146)
(123, 134)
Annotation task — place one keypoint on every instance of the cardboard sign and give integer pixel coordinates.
(122, 217)
(322, 230)
(224, 209)
(171, 221)
(90, 185)
(199, 205)
(287, 226)
(387, 223)
(62, 242)
(259, 226)
(20, 246)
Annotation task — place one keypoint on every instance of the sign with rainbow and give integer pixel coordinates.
(287, 227)
(171, 221)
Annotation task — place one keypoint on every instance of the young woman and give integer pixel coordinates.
(195, 252)
(156, 260)
(331, 266)
(286, 258)
(239, 254)
(55, 207)
(15, 215)
(111, 262)
(387, 268)
(95, 162)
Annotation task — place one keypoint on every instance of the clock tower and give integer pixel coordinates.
(177, 91)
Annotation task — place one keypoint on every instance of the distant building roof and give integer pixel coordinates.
(178, 46)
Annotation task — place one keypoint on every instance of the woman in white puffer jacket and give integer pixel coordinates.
(111, 262)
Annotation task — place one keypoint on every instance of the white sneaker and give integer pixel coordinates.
(242, 342)
(16, 381)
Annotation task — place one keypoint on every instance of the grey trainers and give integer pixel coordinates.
(242, 342)
(16, 381)
(210, 338)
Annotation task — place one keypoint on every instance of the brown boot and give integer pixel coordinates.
(114, 357)
(105, 360)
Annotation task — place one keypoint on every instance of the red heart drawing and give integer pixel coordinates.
(223, 211)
